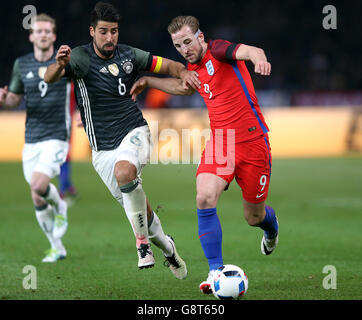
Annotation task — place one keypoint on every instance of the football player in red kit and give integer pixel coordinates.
(239, 144)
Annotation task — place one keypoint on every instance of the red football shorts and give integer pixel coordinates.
(249, 162)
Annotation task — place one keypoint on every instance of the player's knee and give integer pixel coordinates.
(38, 201)
(205, 199)
(254, 213)
(253, 217)
(38, 188)
(253, 221)
(125, 172)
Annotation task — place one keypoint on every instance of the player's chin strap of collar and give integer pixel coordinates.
(197, 33)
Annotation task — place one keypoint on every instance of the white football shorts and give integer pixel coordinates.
(45, 157)
(136, 148)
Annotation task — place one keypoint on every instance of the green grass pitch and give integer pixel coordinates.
(318, 203)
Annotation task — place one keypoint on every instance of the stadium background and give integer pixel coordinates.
(312, 100)
(312, 103)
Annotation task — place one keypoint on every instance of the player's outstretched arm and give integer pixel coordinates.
(55, 71)
(169, 85)
(178, 70)
(9, 99)
(256, 56)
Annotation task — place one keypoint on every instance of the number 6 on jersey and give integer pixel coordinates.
(122, 87)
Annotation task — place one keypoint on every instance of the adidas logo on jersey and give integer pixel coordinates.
(104, 70)
(30, 75)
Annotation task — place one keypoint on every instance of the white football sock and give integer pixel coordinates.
(158, 237)
(45, 218)
(52, 195)
(136, 209)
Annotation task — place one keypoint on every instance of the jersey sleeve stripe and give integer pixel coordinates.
(231, 51)
(245, 89)
(156, 64)
(223, 50)
(88, 115)
(236, 49)
(269, 155)
(149, 62)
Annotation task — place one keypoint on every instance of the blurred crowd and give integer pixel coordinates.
(304, 56)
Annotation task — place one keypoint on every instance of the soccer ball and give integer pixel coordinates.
(229, 282)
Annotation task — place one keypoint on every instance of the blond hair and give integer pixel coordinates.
(46, 18)
(177, 23)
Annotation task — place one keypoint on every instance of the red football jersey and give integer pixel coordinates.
(228, 92)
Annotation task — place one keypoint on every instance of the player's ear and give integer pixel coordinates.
(91, 31)
(31, 37)
(201, 37)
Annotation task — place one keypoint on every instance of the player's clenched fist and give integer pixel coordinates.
(63, 55)
(263, 68)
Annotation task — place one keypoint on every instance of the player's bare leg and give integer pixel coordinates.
(209, 188)
(260, 215)
(44, 212)
(134, 200)
(254, 213)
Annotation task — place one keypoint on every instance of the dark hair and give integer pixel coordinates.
(105, 12)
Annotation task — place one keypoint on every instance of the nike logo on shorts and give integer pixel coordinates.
(259, 195)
